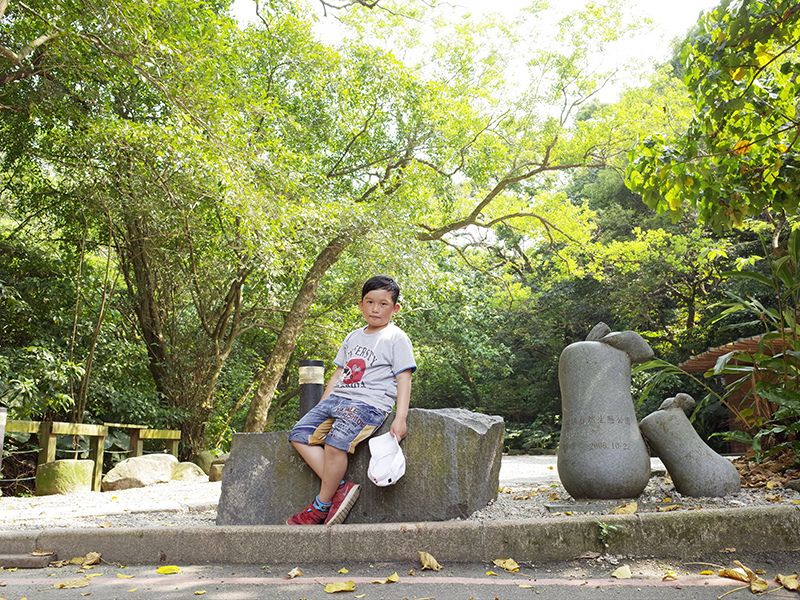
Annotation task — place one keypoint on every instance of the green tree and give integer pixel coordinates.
(738, 157)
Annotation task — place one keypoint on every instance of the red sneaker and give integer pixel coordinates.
(343, 500)
(310, 515)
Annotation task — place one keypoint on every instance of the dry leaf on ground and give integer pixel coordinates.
(747, 575)
(428, 562)
(626, 509)
(168, 570)
(333, 588)
(68, 585)
(623, 572)
(788, 581)
(508, 564)
(394, 578)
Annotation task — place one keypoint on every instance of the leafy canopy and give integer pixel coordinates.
(738, 156)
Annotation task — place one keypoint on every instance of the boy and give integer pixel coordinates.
(373, 367)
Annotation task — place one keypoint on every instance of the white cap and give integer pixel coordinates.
(387, 463)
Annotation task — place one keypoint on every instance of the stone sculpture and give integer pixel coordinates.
(601, 454)
(696, 470)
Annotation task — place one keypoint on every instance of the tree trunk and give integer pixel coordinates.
(269, 377)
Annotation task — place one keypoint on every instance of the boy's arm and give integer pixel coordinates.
(399, 427)
(337, 374)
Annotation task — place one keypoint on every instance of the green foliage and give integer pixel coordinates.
(772, 420)
(543, 433)
(738, 156)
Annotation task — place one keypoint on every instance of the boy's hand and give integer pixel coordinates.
(399, 429)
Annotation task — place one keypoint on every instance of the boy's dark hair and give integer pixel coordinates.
(381, 282)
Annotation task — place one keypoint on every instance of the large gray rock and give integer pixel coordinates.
(140, 471)
(452, 470)
(64, 477)
(696, 470)
(601, 453)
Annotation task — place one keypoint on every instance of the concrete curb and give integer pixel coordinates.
(686, 534)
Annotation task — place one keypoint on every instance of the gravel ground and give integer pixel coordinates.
(183, 504)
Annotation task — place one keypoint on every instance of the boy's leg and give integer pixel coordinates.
(313, 455)
(323, 438)
(333, 472)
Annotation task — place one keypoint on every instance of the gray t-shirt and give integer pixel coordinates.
(371, 363)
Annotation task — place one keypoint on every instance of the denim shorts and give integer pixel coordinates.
(338, 422)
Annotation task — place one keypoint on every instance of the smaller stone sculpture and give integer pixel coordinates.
(696, 470)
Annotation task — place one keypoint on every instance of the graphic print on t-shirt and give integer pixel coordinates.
(354, 371)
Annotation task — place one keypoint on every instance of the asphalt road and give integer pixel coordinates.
(577, 579)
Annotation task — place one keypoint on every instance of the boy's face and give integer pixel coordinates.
(378, 309)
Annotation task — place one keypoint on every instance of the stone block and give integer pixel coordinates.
(203, 459)
(215, 472)
(452, 470)
(187, 471)
(26, 561)
(140, 471)
(64, 477)
(142, 546)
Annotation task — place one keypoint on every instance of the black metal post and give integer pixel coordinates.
(3, 412)
(312, 383)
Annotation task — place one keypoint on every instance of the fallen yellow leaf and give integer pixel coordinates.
(428, 562)
(626, 509)
(737, 574)
(69, 585)
(121, 576)
(747, 575)
(342, 570)
(706, 572)
(670, 576)
(391, 579)
(491, 573)
(333, 588)
(623, 572)
(526, 586)
(168, 570)
(359, 596)
(199, 592)
(789, 582)
(132, 590)
(91, 559)
(508, 564)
